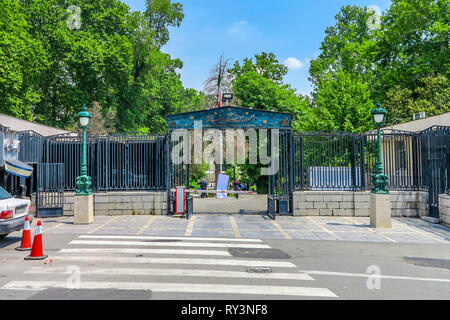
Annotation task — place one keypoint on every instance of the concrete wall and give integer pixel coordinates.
(444, 209)
(357, 204)
(123, 203)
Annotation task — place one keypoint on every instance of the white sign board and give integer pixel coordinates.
(222, 185)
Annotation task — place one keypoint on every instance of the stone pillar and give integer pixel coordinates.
(380, 211)
(84, 209)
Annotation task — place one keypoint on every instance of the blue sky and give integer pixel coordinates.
(241, 28)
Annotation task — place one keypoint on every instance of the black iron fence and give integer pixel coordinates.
(320, 161)
(115, 162)
(345, 161)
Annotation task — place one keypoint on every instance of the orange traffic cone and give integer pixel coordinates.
(26, 236)
(37, 252)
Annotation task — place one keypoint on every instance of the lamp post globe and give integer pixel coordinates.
(379, 179)
(379, 115)
(83, 182)
(84, 118)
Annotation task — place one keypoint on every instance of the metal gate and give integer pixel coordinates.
(435, 143)
(178, 176)
(49, 190)
(281, 181)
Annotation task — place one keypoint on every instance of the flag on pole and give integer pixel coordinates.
(219, 98)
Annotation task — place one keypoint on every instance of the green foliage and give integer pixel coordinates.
(348, 46)
(197, 173)
(342, 104)
(404, 64)
(113, 59)
(432, 97)
(413, 43)
(22, 59)
(258, 84)
(114, 63)
(265, 64)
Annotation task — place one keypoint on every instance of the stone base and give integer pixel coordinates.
(84, 210)
(380, 211)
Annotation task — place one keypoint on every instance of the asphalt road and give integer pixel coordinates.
(86, 266)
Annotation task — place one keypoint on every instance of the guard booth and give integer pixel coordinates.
(274, 140)
(14, 174)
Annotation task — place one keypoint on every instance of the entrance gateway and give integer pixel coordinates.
(273, 133)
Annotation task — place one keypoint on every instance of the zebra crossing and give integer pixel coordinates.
(183, 265)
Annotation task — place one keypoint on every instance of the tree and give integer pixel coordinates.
(22, 59)
(342, 103)
(343, 74)
(159, 16)
(255, 91)
(349, 46)
(413, 44)
(218, 81)
(265, 65)
(65, 56)
(432, 97)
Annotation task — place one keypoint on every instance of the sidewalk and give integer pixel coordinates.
(405, 230)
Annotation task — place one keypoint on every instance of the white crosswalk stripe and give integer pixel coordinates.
(120, 262)
(228, 240)
(178, 261)
(149, 251)
(177, 272)
(170, 244)
(178, 287)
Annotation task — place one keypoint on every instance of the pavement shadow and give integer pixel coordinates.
(350, 225)
(9, 240)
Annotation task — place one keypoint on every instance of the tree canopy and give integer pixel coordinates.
(57, 57)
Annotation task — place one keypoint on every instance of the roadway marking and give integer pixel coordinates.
(280, 228)
(149, 251)
(190, 227)
(323, 228)
(169, 238)
(145, 227)
(178, 287)
(171, 244)
(176, 273)
(101, 226)
(54, 227)
(175, 261)
(365, 275)
(374, 231)
(425, 234)
(235, 227)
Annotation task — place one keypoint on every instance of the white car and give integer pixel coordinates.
(12, 213)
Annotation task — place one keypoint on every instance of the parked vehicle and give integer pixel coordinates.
(12, 213)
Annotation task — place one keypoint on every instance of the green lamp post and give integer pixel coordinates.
(379, 179)
(84, 181)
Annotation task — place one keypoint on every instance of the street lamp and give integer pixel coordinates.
(379, 179)
(84, 181)
(227, 97)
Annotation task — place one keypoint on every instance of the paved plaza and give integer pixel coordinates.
(405, 230)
